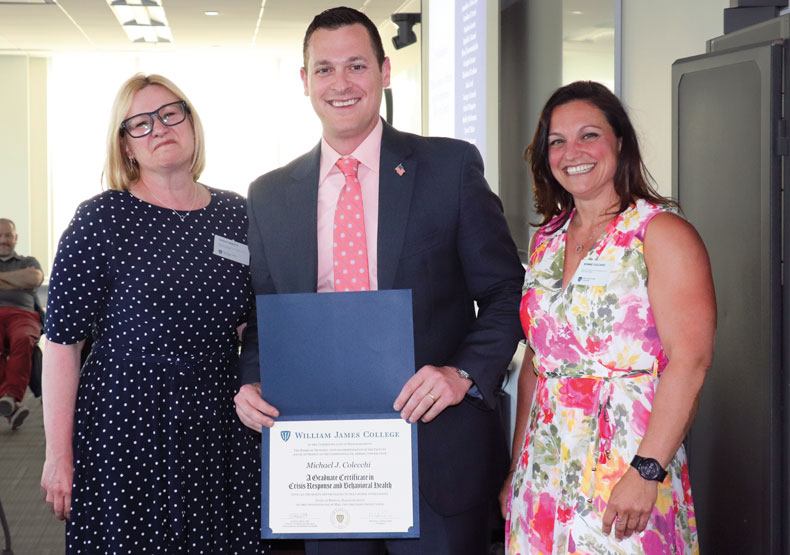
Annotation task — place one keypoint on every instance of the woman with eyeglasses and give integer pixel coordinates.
(144, 451)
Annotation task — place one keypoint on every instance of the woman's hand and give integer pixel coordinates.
(56, 481)
(504, 494)
(526, 391)
(630, 504)
(254, 412)
(681, 295)
(60, 378)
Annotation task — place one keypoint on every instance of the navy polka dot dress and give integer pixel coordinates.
(161, 462)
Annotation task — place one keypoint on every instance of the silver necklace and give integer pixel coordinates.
(181, 216)
(580, 246)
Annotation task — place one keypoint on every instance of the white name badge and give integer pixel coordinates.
(593, 272)
(232, 250)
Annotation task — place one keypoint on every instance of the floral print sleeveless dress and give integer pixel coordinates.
(598, 359)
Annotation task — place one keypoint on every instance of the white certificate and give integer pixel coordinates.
(340, 478)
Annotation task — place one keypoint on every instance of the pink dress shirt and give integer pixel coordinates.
(330, 183)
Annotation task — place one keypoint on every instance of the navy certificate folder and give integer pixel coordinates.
(338, 356)
(335, 353)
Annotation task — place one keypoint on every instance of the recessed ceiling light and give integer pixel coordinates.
(211, 12)
(142, 20)
(577, 12)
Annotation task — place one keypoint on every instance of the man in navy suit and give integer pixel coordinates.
(433, 226)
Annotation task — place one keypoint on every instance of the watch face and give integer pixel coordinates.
(649, 469)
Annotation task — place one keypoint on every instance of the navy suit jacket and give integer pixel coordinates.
(443, 235)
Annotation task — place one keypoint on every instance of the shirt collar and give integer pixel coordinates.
(368, 153)
(14, 256)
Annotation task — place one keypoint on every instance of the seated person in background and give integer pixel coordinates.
(20, 327)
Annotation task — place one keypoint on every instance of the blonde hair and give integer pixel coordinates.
(120, 172)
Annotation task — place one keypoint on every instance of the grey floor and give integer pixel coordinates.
(33, 529)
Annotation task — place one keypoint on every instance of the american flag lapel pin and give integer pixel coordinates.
(400, 170)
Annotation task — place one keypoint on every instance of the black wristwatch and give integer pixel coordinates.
(648, 468)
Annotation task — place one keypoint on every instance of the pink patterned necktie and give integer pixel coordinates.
(349, 246)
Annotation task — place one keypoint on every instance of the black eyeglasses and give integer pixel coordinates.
(142, 124)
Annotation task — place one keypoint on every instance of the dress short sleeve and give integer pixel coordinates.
(79, 280)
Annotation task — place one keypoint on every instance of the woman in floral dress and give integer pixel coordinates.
(615, 361)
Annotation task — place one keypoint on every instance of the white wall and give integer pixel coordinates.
(40, 209)
(655, 34)
(254, 113)
(14, 172)
(23, 160)
(41, 170)
(406, 77)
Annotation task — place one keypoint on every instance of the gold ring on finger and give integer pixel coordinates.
(431, 396)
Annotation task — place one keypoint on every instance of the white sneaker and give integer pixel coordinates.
(18, 416)
(7, 405)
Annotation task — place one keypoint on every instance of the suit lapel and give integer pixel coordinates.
(297, 224)
(397, 174)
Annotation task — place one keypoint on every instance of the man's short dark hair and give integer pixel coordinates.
(334, 18)
(7, 221)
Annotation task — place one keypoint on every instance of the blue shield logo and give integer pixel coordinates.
(286, 435)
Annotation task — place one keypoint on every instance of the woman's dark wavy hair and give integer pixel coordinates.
(631, 178)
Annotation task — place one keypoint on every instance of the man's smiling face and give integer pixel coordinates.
(344, 83)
